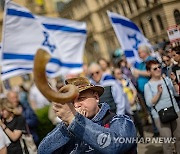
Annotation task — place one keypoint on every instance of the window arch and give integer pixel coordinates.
(160, 22)
(124, 11)
(137, 4)
(147, 2)
(151, 21)
(95, 46)
(177, 16)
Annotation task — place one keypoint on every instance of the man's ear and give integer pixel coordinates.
(96, 96)
(148, 71)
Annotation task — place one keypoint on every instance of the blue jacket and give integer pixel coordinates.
(89, 136)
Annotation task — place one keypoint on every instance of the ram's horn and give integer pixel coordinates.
(66, 93)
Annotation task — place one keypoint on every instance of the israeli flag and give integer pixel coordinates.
(24, 33)
(129, 36)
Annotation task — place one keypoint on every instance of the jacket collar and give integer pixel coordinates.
(100, 115)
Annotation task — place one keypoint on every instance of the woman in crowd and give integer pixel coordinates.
(123, 64)
(24, 109)
(105, 65)
(4, 142)
(159, 95)
(13, 125)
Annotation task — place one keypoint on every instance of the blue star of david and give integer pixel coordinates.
(134, 37)
(47, 43)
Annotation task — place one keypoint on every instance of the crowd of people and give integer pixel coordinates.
(111, 97)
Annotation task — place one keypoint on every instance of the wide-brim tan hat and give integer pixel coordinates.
(83, 84)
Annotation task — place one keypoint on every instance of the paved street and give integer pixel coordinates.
(150, 148)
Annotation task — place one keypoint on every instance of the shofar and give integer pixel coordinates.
(66, 94)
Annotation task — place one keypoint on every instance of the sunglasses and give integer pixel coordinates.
(95, 73)
(159, 67)
(166, 60)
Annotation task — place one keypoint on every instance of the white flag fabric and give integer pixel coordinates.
(129, 36)
(24, 33)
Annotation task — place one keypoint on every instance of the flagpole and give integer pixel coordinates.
(3, 28)
(2, 84)
(2, 47)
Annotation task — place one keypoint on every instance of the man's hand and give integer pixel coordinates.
(135, 73)
(173, 77)
(159, 88)
(66, 112)
(82, 111)
(138, 73)
(2, 125)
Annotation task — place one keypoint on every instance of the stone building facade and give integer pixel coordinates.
(152, 16)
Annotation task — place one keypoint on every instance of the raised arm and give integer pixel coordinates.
(121, 127)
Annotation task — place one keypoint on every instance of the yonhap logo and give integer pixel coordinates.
(104, 140)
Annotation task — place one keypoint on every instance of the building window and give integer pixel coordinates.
(98, 2)
(155, 1)
(151, 21)
(102, 17)
(142, 27)
(60, 6)
(95, 45)
(124, 11)
(137, 4)
(160, 22)
(147, 2)
(2, 2)
(129, 5)
(116, 9)
(177, 16)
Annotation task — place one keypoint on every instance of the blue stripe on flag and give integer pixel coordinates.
(109, 77)
(129, 53)
(70, 65)
(15, 69)
(31, 58)
(21, 68)
(17, 56)
(64, 28)
(50, 72)
(14, 12)
(125, 23)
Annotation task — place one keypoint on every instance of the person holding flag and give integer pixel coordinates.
(136, 47)
(143, 76)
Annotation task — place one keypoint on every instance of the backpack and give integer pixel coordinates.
(108, 98)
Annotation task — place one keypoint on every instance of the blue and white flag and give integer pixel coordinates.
(129, 36)
(24, 33)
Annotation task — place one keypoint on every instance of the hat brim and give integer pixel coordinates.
(98, 89)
